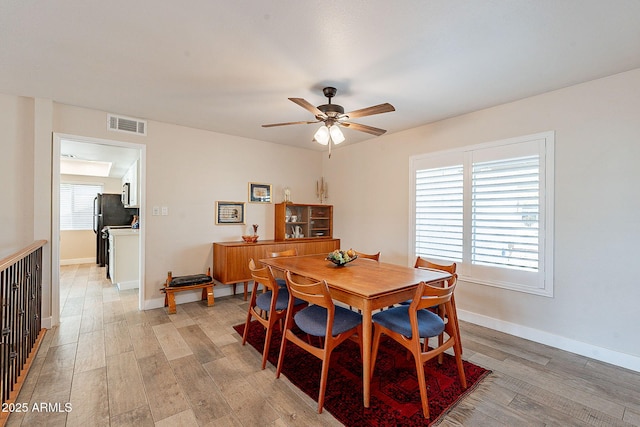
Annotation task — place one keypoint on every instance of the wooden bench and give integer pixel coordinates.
(187, 283)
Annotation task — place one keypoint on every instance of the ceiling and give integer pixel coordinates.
(229, 66)
(121, 158)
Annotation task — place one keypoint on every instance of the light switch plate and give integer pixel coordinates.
(165, 210)
(156, 211)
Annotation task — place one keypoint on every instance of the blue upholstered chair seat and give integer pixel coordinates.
(263, 300)
(281, 283)
(397, 320)
(313, 320)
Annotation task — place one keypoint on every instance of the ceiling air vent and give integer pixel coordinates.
(126, 124)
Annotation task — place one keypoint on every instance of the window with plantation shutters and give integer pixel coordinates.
(505, 207)
(76, 205)
(439, 213)
(489, 209)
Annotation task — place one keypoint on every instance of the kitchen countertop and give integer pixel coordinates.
(123, 231)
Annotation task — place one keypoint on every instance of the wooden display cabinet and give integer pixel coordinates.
(302, 221)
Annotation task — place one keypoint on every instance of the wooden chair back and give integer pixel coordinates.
(288, 252)
(428, 296)
(375, 257)
(313, 292)
(423, 263)
(263, 276)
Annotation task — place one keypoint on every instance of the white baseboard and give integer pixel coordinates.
(624, 360)
(131, 284)
(46, 322)
(78, 261)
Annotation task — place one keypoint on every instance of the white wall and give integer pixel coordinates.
(597, 200)
(16, 174)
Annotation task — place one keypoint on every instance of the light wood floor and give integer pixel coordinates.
(117, 366)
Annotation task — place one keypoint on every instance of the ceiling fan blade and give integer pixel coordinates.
(308, 106)
(289, 123)
(369, 111)
(363, 128)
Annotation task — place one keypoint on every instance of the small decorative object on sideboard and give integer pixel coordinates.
(250, 239)
(253, 238)
(340, 257)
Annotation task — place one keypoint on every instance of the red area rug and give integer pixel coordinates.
(395, 397)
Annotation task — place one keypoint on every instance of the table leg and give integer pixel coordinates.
(367, 327)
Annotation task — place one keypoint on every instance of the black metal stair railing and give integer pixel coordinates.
(20, 316)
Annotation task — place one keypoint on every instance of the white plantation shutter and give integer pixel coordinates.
(488, 208)
(439, 213)
(505, 208)
(76, 205)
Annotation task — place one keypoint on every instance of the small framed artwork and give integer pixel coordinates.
(259, 193)
(229, 212)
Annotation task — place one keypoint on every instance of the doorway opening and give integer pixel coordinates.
(124, 157)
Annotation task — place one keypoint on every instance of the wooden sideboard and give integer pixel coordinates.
(231, 259)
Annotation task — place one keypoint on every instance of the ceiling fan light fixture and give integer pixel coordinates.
(322, 135)
(336, 134)
(333, 116)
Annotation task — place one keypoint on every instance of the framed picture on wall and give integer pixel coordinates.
(229, 213)
(259, 193)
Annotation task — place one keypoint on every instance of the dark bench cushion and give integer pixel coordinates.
(195, 279)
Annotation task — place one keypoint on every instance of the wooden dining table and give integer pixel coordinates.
(364, 284)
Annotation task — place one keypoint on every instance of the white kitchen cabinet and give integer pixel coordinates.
(132, 178)
(124, 262)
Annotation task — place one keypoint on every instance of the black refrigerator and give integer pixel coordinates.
(108, 210)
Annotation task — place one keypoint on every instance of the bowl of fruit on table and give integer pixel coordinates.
(340, 257)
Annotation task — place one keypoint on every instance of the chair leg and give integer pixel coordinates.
(283, 346)
(374, 350)
(463, 378)
(267, 343)
(441, 355)
(454, 318)
(422, 383)
(323, 379)
(245, 334)
(457, 351)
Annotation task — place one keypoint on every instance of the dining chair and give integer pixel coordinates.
(424, 263)
(273, 303)
(449, 268)
(375, 257)
(321, 318)
(289, 252)
(408, 324)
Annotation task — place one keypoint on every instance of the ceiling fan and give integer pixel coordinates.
(333, 116)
